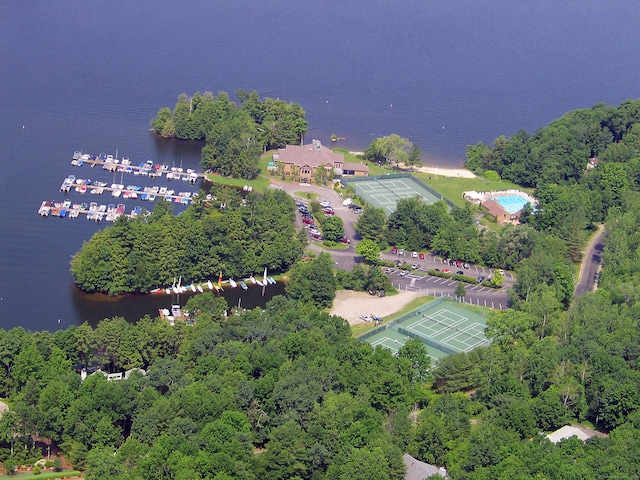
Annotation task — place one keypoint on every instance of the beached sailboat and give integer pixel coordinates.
(253, 280)
(243, 285)
(193, 288)
(209, 284)
(233, 283)
(259, 282)
(200, 289)
(176, 288)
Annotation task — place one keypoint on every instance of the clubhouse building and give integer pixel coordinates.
(312, 163)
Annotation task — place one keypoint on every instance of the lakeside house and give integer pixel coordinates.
(309, 163)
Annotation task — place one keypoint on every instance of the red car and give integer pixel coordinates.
(308, 221)
(394, 250)
(345, 240)
(421, 256)
(445, 270)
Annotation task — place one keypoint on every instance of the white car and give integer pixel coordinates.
(324, 203)
(414, 254)
(401, 251)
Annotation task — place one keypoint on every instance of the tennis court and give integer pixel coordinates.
(444, 326)
(387, 190)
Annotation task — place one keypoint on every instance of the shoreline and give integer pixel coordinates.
(436, 170)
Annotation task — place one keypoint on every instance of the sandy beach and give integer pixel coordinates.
(350, 305)
(435, 170)
(446, 172)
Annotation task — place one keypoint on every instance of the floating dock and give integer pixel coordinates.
(124, 165)
(82, 186)
(93, 211)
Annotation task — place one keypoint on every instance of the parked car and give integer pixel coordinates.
(466, 265)
(308, 221)
(357, 210)
(415, 266)
(481, 279)
(324, 203)
(401, 251)
(459, 272)
(452, 263)
(445, 260)
(345, 240)
(394, 250)
(316, 235)
(403, 273)
(445, 270)
(421, 256)
(458, 263)
(414, 254)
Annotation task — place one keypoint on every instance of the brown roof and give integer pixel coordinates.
(312, 155)
(494, 208)
(356, 167)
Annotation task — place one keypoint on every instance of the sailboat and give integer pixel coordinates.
(220, 282)
(200, 289)
(264, 277)
(233, 283)
(176, 288)
(209, 284)
(168, 290)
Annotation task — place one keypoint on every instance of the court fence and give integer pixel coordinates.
(401, 319)
(349, 180)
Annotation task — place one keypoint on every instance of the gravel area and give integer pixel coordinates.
(350, 305)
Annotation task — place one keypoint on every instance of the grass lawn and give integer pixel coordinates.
(260, 184)
(452, 187)
(43, 475)
(308, 195)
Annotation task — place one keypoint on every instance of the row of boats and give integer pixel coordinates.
(109, 212)
(177, 288)
(125, 165)
(82, 185)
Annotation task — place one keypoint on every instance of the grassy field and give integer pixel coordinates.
(43, 475)
(452, 187)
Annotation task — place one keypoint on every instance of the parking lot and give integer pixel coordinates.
(417, 279)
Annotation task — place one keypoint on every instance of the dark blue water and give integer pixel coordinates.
(90, 75)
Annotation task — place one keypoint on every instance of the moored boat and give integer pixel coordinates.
(243, 285)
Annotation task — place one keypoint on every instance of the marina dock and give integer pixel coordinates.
(93, 211)
(82, 186)
(124, 165)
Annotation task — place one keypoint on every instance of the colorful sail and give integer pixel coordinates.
(220, 280)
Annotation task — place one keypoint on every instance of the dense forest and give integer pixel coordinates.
(225, 233)
(235, 136)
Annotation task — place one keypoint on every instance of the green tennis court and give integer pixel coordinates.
(445, 327)
(387, 190)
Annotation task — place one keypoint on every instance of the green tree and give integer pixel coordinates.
(460, 291)
(372, 224)
(333, 229)
(369, 250)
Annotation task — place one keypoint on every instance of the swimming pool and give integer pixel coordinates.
(511, 203)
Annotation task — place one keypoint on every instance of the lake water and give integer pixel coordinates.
(90, 75)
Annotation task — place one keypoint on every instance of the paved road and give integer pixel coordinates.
(414, 281)
(591, 263)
